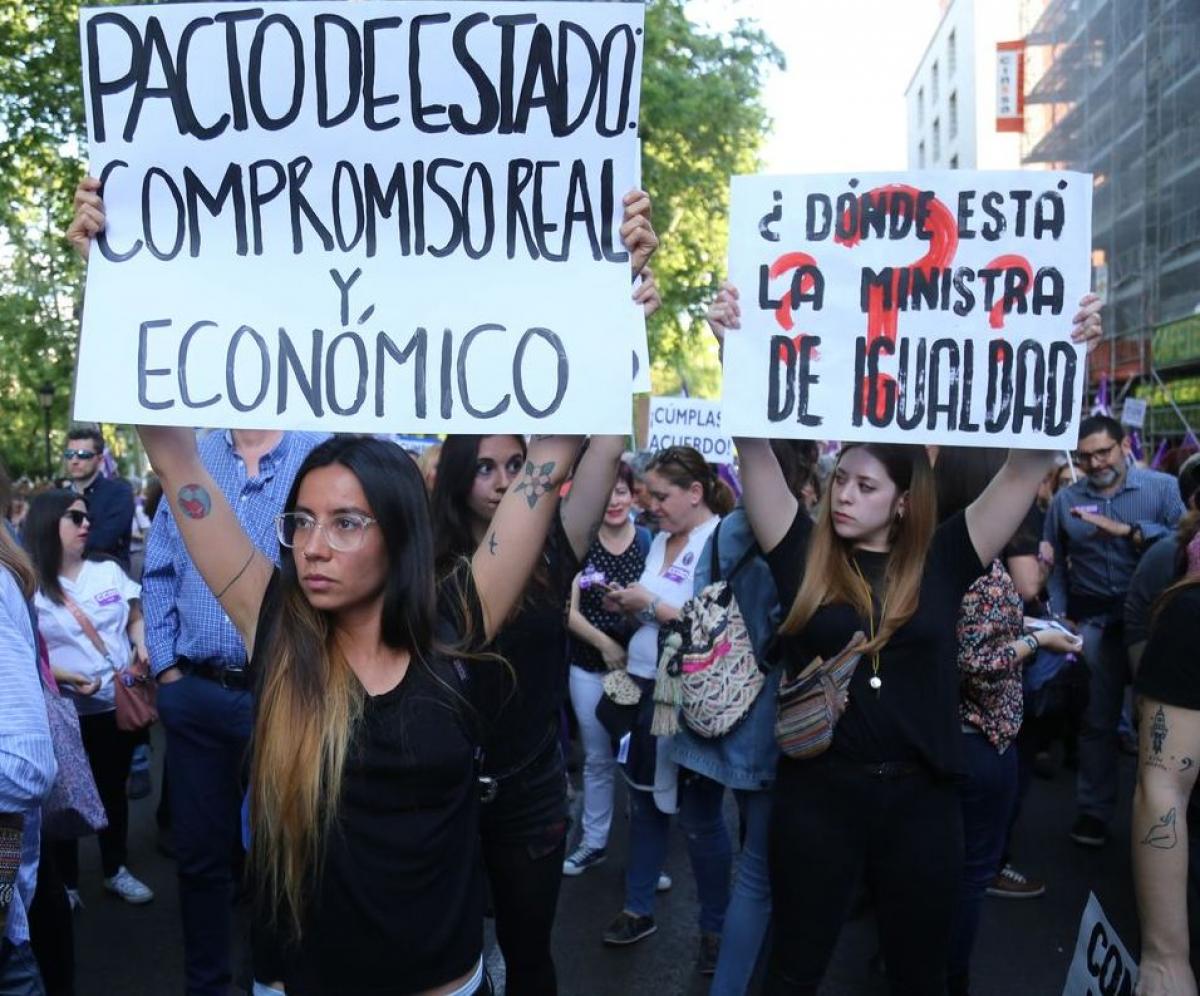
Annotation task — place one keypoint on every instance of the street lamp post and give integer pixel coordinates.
(46, 400)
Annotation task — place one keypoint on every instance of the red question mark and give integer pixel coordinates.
(783, 314)
(943, 230)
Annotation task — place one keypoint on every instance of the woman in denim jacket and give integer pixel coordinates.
(743, 760)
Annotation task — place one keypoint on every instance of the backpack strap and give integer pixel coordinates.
(715, 572)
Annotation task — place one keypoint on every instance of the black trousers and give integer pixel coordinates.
(833, 825)
(51, 930)
(524, 835)
(109, 752)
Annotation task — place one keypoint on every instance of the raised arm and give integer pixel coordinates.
(591, 489)
(1168, 752)
(994, 516)
(232, 567)
(514, 541)
(770, 505)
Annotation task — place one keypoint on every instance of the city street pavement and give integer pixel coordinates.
(1024, 946)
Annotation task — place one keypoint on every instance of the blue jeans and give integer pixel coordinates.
(1108, 673)
(19, 975)
(703, 824)
(749, 912)
(648, 826)
(208, 734)
(989, 795)
(746, 909)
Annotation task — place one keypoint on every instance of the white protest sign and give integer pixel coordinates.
(374, 217)
(1101, 966)
(1133, 412)
(692, 422)
(909, 307)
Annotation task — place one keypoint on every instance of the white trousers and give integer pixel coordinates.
(599, 764)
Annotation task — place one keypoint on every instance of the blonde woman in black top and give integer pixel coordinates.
(880, 803)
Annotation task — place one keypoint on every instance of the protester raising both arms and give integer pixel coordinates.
(880, 802)
(371, 701)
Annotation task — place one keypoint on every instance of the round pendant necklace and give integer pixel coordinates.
(875, 682)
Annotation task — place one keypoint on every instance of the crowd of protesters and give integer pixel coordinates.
(364, 664)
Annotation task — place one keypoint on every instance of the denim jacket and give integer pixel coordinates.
(745, 757)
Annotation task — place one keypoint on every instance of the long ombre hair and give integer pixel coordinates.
(309, 700)
(829, 574)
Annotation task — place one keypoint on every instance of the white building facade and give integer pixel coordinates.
(951, 98)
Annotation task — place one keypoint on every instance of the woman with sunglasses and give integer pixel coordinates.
(90, 617)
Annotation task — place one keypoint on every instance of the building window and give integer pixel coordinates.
(933, 83)
(920, 107)
(921, 156)
(954, 162)
(951, 55)
(952, 116)
(937, 140)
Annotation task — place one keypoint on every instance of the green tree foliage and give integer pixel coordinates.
(702, 121)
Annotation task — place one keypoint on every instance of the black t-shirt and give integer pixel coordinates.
(1170, 668)
(601, 567)
(399, 907)
(534, 642)
(914, 717)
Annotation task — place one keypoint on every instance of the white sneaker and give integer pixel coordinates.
(128, 888)
(74, 899)
(664, 883)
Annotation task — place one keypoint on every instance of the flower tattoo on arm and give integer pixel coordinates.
(536, 482)
(194, 501)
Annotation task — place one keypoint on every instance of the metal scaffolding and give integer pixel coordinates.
(1116, 93)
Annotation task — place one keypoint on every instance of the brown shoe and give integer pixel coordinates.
(1011, 884)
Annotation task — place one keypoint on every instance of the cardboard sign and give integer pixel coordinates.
(1101, 966)
(913, 307)
(692, 422)
(1133, 412)
(375, 217)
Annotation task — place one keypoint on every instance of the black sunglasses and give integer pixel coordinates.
(79, 454)
(76, 516)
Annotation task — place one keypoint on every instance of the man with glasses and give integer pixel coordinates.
(109, 499)
(1098, 527)
(203, 697)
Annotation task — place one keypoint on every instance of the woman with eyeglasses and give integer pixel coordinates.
(90, 617)
(687, 500)
(373, 698)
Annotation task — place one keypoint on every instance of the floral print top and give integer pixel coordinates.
(989, 620)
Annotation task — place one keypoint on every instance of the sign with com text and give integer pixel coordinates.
(1101, 965)
(373, 217)
(915, 307)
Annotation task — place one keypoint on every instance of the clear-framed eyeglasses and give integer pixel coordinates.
(343, 532)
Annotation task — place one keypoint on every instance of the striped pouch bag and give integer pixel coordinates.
(811, 703)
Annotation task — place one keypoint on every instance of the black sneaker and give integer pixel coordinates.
(710, 950)
(1089, 831)
(628, 929)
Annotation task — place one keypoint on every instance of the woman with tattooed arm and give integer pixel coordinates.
(1165, 873)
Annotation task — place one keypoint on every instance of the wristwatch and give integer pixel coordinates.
(648, 615)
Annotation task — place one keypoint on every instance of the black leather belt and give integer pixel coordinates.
(235, 679)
